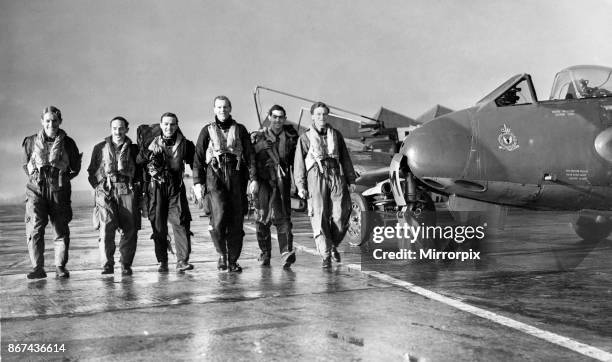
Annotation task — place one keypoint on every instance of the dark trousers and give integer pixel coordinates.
(274, 207)
(227, 191)
(168, 204)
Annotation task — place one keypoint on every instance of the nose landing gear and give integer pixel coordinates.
(592, 227)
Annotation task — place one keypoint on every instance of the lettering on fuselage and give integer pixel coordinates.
(564, 112)
(507, 140)
(576, 175)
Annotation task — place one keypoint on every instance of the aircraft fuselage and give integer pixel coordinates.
(538, 154)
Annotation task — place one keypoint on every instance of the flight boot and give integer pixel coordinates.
(163, 267)
(288, 258)
(61, 272)
(38, 273)
(107, 269)
(222, 263)
(234, 268)
(335, 254)
(181, 266)
(264, 258)
(126, 270)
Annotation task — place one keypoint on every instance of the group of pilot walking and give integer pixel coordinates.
(228, 164)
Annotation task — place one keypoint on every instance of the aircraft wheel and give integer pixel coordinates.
(360, 225)
(592, 229)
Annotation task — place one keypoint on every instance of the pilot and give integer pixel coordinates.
(275, 150)
(115, 177)
(166, 158)
(509, 98)
(50, 160)
(324, 174)
(223, 157)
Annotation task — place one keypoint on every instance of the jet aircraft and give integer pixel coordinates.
(513, 149)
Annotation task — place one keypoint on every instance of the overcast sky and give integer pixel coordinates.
(98, 59)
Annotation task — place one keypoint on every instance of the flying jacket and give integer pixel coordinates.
(223, 142)
(302, 164)
(174, 155)
(283, 146)
(202, 146)
(104, 161)
(62, 155)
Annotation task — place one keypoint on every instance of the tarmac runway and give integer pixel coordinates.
(537, 293)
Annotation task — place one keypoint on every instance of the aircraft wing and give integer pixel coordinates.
(434, 112)
(373, 176)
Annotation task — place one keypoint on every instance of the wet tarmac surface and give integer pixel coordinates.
(535, 271)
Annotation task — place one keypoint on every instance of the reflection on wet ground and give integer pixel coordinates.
(535, 271)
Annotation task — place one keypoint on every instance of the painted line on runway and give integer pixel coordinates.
(554, 338)
(557, 339)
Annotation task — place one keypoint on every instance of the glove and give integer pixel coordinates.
(197, 191)
(303, 194)
(253, 188)
(262, 145)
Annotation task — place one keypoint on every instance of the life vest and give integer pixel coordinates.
(275, 153)
(282, 140)
(117, 161)
(173, 155)
(49, 154)
(321, 148)
(223, 142)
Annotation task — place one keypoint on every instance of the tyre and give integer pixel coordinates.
(360, 225)
(592, 229)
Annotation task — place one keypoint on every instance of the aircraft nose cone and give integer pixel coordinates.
(603, 144)
(439, 148)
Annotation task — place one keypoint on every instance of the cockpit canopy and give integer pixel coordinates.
(582, 81)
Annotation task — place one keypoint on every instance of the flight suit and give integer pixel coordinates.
(224, 155)
(273, 200)
(115, 177)
(323, 167)
(50, 164)
(168, 197)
